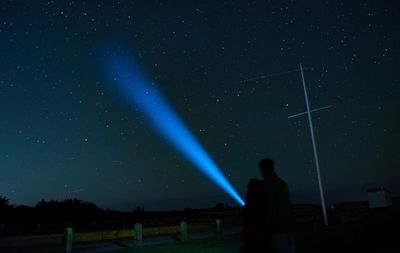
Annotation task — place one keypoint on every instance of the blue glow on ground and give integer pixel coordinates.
(137, 89)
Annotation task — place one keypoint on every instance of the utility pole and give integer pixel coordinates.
(310, 123)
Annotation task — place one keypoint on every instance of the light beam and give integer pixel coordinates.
(161, 116)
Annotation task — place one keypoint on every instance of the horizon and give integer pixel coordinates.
(343, 196)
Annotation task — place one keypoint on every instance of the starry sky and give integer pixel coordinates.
(227, 68)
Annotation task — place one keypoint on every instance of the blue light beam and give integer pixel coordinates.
(137, 89)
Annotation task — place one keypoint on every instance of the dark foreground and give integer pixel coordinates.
(375, 231)
(353, 230)
(223, 245)
(377, 236)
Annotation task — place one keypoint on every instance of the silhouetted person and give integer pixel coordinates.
(267, 214)
(278, 222)
(252, 235)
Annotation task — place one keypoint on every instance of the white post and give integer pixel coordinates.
(321, 191)
(218, 222)
(68, 240)
(138, 233)
(184, 231)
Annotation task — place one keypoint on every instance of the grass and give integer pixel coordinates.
(222, 245)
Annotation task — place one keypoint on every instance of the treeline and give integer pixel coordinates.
(54, 215)
(47, 211)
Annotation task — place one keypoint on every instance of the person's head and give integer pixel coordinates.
(267, 168)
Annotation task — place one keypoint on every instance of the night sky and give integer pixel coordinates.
(65, 132)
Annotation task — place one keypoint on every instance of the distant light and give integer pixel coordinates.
(143, 93)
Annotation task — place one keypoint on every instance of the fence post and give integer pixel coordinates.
(218, 222)
(184, 231)
(68, 239)
(138, 233)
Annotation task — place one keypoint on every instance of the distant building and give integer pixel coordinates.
(379, 197)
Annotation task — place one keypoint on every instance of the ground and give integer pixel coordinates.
(223, 245)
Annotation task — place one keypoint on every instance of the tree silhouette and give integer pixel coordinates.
(138, 213)
(5, 209)
(68, 209)
(5, 203)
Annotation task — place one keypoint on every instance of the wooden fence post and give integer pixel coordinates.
(218, 222)
(68, 239)
(138, 233)
(184, 231)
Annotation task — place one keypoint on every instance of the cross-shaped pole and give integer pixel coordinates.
(310, 123)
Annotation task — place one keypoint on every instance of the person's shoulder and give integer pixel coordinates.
(254, 182)
(282, 182)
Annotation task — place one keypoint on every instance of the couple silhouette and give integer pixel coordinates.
(268, 218)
